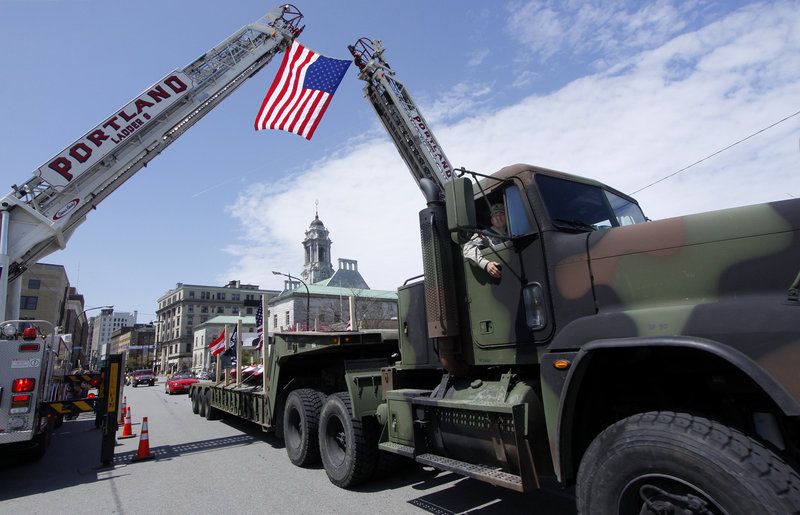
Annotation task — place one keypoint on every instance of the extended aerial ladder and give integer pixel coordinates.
(39, 216)
(400, 116)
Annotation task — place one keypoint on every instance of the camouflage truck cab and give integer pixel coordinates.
(609, 346)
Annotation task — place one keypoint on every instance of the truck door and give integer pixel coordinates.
(509, 311)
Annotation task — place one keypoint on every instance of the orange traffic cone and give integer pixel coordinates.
(144, 444)
(122, 412)
(127, 430)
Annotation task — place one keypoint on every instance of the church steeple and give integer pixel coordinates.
(317, 246)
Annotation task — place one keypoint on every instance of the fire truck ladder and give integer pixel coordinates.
(397, 111)
(39, 216)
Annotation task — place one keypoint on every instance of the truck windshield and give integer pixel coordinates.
(584, 206)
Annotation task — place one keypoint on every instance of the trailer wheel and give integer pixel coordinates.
(300, 426)
(664, 462)
(212, 413)
(348, 447)
(201, 404)
(195, 403)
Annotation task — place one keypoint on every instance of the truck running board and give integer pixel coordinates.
(480, 472)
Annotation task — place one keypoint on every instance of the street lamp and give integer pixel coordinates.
(308, 294)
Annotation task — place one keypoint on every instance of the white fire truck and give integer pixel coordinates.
(28, 352)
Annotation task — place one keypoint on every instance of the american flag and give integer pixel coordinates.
(260, 325)
(301, 91)
(217, 345)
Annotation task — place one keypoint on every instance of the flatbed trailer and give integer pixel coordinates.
(304, 370)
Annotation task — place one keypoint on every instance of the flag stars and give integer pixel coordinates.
(325, 74)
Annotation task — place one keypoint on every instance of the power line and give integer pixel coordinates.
(715, 153)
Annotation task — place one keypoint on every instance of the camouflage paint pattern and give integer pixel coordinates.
(717, 280)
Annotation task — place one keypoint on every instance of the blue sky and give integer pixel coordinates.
(624, 92)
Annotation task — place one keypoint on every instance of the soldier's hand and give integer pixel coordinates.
(493, 269)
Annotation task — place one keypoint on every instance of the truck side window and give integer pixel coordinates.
(518, 222)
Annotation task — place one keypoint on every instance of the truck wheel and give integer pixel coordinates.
(195, 403)
(201, 403)
(39, 445)
(212, 413)
(664, 462)
(347, 446)
(300, 426)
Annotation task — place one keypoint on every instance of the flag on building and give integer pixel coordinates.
(301, 91)
(217, 345)
(260, 324)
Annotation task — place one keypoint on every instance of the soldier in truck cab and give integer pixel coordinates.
(495, 235)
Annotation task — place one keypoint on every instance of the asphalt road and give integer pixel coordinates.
(230, 465)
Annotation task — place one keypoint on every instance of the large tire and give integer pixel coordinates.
(195, 402)
(667, 462)
(212, 413)
(201, 404)
(39, 445)
(347, 446)
(300, 426)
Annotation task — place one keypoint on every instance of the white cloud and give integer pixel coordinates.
(478, 57)
(607, 28)
(654, 113)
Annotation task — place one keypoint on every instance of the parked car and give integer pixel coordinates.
(179, 382)
(143, 377)
(205, 376)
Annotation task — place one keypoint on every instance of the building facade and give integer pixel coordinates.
(187, 306)
(321, 301)
(209, 331)
(328, 309)
(104, 326)
(45, 294)
(136, 343)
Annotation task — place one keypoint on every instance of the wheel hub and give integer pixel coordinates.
(666, 495)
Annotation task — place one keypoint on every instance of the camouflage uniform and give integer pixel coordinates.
(472, 248)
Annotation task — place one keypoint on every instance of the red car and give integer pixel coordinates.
(180, 382)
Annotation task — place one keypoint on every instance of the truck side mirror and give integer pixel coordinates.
(460, 204)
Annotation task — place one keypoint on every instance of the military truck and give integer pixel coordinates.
(650, 363)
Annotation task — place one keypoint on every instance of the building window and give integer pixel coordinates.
(287, 318)
(249, 311)
(275, 321)
(220, 296)
(191, 294)
(189, 320)
(26, 302)
(34, 284)
(234, 311)
(220, 309)
(204, 309)
(191, 309)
